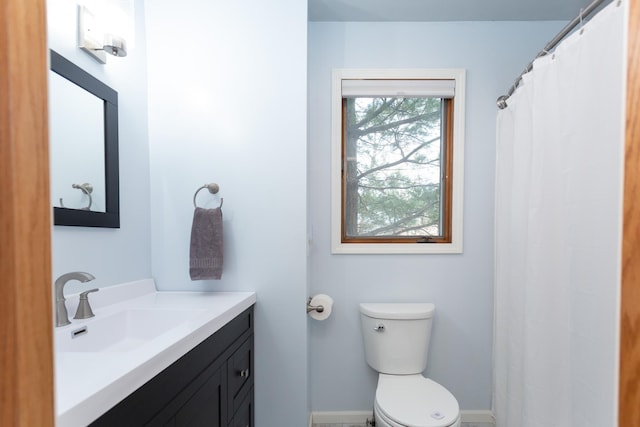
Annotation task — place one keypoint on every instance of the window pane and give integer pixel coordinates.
(393, 152)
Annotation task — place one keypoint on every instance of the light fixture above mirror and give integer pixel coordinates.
(105, 27)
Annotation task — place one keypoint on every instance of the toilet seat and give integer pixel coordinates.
(415, 401)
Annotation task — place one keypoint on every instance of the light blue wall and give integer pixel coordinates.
(227, 104)
(461, 286)
(112, 255)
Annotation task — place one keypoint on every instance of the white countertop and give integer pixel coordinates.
(87, 384)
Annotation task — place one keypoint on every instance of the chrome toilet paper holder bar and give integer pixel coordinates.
(317, 308)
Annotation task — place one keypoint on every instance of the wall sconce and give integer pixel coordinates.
(103, 32)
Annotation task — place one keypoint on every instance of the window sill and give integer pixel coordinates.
(395, 248)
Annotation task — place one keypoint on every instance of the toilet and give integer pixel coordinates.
(396, 343)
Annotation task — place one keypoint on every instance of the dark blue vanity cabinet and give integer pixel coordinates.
(210, 386)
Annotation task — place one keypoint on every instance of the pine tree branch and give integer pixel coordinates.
(381, 128)
(403, 159)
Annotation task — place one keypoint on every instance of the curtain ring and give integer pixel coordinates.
(581, 23)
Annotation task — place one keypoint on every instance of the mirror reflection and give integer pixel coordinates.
(76, 138)
(83, 121)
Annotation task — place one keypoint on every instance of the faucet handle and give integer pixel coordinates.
(84, 308)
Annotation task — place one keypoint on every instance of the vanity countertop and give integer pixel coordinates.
(90, 381)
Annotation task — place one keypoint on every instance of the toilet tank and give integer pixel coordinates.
(396, 336)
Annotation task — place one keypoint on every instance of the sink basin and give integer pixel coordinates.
(121, 331)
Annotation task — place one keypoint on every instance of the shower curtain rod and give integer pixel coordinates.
(578, 20)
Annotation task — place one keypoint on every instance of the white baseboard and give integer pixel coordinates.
(331, 417)
(478, 416)
(360, 417)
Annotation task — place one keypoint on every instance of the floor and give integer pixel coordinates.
(362, 425)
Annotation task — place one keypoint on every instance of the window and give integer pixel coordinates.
(397, 164)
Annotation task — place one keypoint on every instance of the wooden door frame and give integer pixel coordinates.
(629, 382)
(26, 324)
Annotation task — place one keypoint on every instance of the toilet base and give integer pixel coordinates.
(382, 421)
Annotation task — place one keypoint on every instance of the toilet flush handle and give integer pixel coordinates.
(379, 328)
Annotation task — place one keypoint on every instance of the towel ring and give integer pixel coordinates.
(87, 189)
(213, 189)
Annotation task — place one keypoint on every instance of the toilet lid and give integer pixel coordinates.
(416, 401)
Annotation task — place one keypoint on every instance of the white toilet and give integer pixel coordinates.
(396, 343)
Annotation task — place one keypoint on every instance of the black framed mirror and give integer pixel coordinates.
(93, 122)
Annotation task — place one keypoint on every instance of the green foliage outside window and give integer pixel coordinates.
(393, 154)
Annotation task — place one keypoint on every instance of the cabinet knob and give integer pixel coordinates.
(244, 373)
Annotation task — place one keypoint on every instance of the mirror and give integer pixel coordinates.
(83, 138)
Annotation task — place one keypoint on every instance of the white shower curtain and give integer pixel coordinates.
(558, 222)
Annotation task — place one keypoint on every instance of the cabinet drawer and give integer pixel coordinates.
(240, 374)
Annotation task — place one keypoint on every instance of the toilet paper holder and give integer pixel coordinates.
(317, 308)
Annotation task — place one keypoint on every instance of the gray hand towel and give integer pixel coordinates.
(205, 255)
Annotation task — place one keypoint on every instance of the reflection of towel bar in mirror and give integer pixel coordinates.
(87, 189)
(213, 189)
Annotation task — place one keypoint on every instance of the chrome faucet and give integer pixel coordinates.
(62, 317)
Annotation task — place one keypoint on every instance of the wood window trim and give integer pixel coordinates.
(447, 183)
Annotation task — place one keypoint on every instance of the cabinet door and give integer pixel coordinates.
(204, 408)
(244, 415)
(240, 374)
